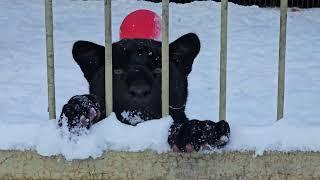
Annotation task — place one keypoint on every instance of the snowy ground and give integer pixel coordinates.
(252, 80)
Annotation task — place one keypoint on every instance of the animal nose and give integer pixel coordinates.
(139, 89)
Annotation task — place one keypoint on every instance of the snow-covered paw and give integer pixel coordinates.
(222, 136)
(81, 111)
(195, 135)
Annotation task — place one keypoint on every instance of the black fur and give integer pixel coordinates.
(137, 88)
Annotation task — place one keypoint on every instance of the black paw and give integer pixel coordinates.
(194, 134)
(81, 111)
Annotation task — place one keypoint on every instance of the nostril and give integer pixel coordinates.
(132, 93)
(139, 90)
(146, 93)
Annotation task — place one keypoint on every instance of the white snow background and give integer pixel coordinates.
(252, 77)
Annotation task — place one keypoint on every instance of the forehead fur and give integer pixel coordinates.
(138, 43)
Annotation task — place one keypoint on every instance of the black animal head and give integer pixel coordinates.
(137, 75)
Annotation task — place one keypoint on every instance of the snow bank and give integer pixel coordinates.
(252, 77)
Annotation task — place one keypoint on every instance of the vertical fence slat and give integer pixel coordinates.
(165, 58)
(50, 59)
(282, 53)
(108, 57)
(223, 59)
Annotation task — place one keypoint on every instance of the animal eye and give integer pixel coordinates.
(118, 71)
(157, 71)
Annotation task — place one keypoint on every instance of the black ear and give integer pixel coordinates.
(184, 50)
(89, 56)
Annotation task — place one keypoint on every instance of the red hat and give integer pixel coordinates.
(141, 24)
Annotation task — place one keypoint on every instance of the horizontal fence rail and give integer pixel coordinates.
(276, 3)
(261, 3)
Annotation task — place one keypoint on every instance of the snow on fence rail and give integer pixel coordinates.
(165, 58)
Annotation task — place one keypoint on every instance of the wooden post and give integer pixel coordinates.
(282, 53)
(223, 59)
(108, 57)
(50, 59)
(165, 58)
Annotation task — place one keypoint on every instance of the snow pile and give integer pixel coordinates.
(252, 77)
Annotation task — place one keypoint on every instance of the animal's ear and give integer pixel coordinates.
(184, 50)
(89, 56)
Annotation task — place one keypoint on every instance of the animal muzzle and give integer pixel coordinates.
(139, 89)
(139, 82)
